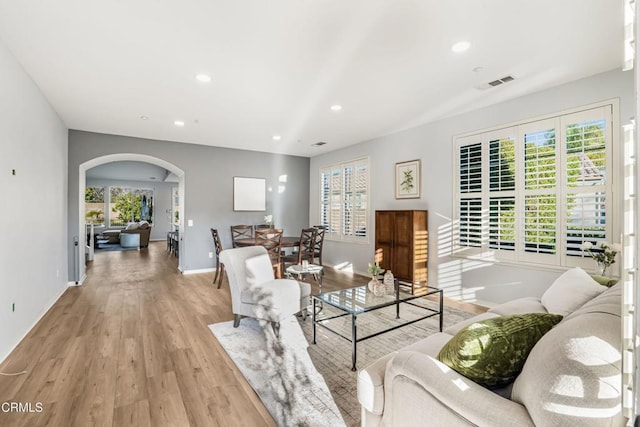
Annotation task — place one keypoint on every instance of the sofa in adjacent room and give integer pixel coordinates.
(571, 376)
(143, 228)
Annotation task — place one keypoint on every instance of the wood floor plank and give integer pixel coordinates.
(132, 347)
(131, 382)
(96, 403)
(135, 415)
(166, 404)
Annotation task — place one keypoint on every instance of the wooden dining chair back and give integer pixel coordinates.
(271, 239)
(262, 226)
(319, 243)
(241, 232)
(305, 251)
(217, 244)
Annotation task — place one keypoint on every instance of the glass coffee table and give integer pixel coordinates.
(357, 301)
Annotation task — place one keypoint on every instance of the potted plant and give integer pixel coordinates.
(603, 253)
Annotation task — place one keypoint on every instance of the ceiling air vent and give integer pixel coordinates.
(503, 80)
(495, 83)
(318, 144)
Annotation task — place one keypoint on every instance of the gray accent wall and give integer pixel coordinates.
(433, 143)
(33, 261)
(208, 174)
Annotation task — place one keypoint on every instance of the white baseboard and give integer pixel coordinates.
(199, 271)
(47, 308)
(73, 283)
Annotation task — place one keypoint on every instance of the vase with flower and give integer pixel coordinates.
(269, 220)
(603, 253)
(375, 285)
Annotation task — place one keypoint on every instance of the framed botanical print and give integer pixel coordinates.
(408, 180)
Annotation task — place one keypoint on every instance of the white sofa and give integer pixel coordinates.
(572, 376)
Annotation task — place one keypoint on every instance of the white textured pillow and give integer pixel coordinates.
(570, 291)
(132, 226)
(259, 269)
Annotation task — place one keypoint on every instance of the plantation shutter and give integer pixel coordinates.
(335, 220)
(344, 200)
(470, 189)
(539, 229)
(586, 137)
(502, 185)
(360, 203)
(325, 195)
(534, 192)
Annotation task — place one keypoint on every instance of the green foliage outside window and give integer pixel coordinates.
(585, 146)
(128, 211)
(94, 194)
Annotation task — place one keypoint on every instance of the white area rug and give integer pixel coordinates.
(282, 375)
(315, 384)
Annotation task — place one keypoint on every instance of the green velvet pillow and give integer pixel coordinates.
(492, 352)
(604, 280)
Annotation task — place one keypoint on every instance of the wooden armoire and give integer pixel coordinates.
(401, 244)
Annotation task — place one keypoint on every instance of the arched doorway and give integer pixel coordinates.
(116, 158)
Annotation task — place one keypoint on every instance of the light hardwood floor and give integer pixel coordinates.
(131, 347)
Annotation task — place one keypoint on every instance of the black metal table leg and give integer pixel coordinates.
(396, 285)
(355, 342)
(441, 308)
(313, 319)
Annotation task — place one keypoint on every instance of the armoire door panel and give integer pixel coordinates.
(403, 269)
(402, 243)
(384, 239)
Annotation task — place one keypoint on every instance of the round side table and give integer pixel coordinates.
(300, 272)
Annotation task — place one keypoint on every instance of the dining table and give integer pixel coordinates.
(287, 241)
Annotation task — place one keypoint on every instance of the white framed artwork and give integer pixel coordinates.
(249, 194)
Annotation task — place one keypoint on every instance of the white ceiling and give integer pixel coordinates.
(278, 65)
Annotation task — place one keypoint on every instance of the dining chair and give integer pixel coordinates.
(218, 247)
(319, 243)
(240, 232)
(175, 243)
(271, 239)
(304, 251)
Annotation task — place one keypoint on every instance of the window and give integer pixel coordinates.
(129, 205)
(175, 199)
(344, 203)
(533, 192)
(94, 205)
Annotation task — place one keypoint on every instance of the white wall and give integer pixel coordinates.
(33, 255)
(432, 143)
(161, 201)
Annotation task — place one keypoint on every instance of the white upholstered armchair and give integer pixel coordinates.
(255, 292)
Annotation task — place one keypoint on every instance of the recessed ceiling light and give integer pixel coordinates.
(152, 177)
(461, 46)
(204, 78)
(179, 123)
(336, 107)
(276, 137)
(144, 117)
(478, 69)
